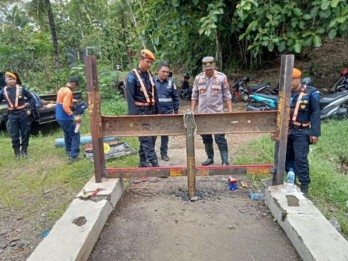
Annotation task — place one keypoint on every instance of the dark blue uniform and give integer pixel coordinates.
(169, 102)
(135, 96)
(299, 133)
(19, 120)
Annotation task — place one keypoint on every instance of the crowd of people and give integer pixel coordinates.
(148, 95)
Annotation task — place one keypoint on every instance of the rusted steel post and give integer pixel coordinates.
(190, 126)
(287, 64)
(94, 110)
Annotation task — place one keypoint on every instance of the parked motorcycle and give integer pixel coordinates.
(342, 84)
(186, 90)
(331, 106)
(241, 91)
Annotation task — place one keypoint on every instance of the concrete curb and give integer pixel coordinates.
(76, 232)
(310, 232)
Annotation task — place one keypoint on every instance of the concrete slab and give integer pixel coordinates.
(76, 232)
(309, 231)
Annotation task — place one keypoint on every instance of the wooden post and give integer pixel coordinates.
(94, 110)
(190, 153)
(287, 64)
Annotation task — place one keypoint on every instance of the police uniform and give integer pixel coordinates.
(139, 104)
(304, 125)
(168, 98)
(19, 120)
(211, 93)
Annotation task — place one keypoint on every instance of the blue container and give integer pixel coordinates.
(233, 186)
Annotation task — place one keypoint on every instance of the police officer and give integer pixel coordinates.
(18, 113)
(142, 100)
(210, 91)
(168, 98)
(304, 128)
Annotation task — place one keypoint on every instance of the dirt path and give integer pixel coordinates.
(155, 221)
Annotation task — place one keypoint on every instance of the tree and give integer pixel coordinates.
(40, 10)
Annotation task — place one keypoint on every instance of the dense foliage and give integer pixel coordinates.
(43, 39)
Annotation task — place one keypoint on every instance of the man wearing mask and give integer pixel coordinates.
(18, 113)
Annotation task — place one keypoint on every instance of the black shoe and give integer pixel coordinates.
(154, 163)
(72, 160)
(304, 189)
(24, 154)
(165, 157)
(144, 164)
(18, 156)
(208, 162)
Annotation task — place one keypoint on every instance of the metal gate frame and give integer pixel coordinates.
(189, 125)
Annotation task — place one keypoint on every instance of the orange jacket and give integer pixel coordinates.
(64, 104)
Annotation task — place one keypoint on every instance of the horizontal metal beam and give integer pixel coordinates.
(216, 123)
(182, 171)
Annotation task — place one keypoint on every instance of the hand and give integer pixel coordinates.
(29, 112)
(273, 136)
(77, 119)
(313, 140)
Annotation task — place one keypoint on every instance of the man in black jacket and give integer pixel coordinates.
(18, 113)
(304, 128)
(168, 98)
(142, 100)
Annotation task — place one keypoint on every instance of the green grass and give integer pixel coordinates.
(44, 183)
(329, 187)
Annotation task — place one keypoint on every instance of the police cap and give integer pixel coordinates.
(208, 62)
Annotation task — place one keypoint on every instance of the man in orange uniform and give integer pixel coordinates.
(67, 120)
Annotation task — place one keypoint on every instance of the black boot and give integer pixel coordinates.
(154, 163)
(24, 153)
(210, 153)
(143, 162)
(17, 154)
(224, 157)
(304, 189)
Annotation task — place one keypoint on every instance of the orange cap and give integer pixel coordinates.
(12, 75)
(147, 54)
(296, 73)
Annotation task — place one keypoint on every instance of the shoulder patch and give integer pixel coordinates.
(130, 78)
(316, 95)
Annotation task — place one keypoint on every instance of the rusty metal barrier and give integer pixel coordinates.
(189, 125)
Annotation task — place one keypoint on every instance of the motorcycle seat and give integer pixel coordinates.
(326, 100)
(259, 86)
(334, 96)
(267, 96)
